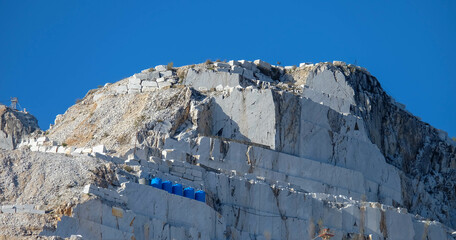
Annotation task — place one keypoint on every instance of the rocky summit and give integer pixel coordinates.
(229, 150)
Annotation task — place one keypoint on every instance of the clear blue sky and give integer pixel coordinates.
(53, 52)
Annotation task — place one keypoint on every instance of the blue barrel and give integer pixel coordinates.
(167, 186)
(177, 189)
(189, 192)
(156, 182)
(200, 196)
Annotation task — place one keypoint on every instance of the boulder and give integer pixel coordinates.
(149, 84)
(262, 64)
(99, 149)
(160, 68)
(168, 73)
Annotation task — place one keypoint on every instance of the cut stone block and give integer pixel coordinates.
(88, 188)
(164, 84)
(171, 80)
(248, 74)
(141, 76)
(263, 77)
(222, 65)
(121, 89)
(99, 149)
(134, 86)
(149, 84)
(8, 209)
(41, 140)
(87, 150)
(36, 211)
(237, 69)
(134, 90)
(161, 68)
(246, 64)
(149, 89)
(154, 75)
(168, 73)
(262, 64)
(70, 150)
(223, 69)
(134, 81)
(234, 63)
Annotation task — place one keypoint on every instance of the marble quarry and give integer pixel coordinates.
(280, 153)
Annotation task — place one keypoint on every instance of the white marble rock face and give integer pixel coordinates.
(277, 160)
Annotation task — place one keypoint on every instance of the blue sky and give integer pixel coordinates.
(53, 52)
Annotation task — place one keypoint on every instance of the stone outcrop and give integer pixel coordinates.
(14, 125)
(38, 188)
(425, 155)
(280, 152)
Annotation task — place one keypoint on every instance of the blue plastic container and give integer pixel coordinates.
(177, 189)
(156, 182)
(189, 192)
(200, 196)
(167, 186)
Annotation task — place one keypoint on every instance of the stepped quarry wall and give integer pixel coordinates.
(280, 153)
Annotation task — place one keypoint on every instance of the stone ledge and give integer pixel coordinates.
(16, 208)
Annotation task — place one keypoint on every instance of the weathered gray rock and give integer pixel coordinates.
(14, 125)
